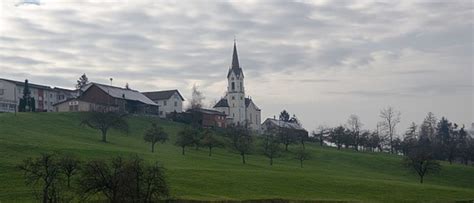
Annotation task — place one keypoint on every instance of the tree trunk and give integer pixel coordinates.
(183, 150)
(243, 157)
(104, 135)
(45, 195)
(271, 161)
(301, 163)
(421, 179)
(302, 142)
(210, 151)
(152, 147)
(286, 146)
(68, 181)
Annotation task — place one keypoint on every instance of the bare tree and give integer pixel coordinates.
(103, 121)
(241, 140)
(321, 133)
(197, 98)
(391, 118)
(420, 158)
(43, 173)
(272, 148)
(185, 138)
(355, 125)
(124, 180)
(154, 135)
(302, 155)
(210, 141)
(69, 166)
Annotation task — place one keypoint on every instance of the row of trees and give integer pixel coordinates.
(422, 145)
(61, 178)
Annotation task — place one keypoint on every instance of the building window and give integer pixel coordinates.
(233, 98)
(233, 86)
(164, 103)
(175, 103)
(232, 78)
(161, 112)
(241, 86)
(2, 91)
(50, 95)
(241, 98)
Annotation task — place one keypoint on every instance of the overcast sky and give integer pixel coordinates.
(321, 60)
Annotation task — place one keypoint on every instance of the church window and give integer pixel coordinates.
(233, 86)
(241, 86)
(232, 78)
(233, 105)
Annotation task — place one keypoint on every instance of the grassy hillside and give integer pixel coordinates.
(329, 175)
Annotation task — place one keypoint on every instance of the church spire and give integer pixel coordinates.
(235, 58)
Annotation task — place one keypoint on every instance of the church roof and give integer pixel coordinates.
(235, 64)
(223, 103)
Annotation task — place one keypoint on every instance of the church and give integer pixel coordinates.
(239, 109)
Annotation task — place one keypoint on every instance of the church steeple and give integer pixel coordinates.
(235, 67)
(235, 58)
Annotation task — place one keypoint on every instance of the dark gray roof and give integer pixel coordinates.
(222, 103)
(283, 124)
(19, 83)
(161, 95)
(122, 93)
(235, 64)
(207, 111)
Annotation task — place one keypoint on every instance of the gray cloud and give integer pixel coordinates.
(298, 52)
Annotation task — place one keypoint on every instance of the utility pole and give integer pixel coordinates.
(16, 102)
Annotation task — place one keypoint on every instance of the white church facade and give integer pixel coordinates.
(239, 109)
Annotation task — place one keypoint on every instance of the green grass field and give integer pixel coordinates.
(329, 175)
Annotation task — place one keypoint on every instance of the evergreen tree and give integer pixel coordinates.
(284, 116)
(81, 83)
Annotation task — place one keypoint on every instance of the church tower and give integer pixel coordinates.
(236, 90)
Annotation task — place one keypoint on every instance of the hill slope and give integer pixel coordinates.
(329, 175)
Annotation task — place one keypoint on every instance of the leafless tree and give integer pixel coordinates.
(354, 126)
(302, 155)
(43, 173)
(391, 118)
(196, 98)
(103, 121)
(69, 166)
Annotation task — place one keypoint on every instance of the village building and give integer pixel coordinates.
(105, 98)
(169, 101)
(275, 125)
(11, 92)
(239, 109)
(208, 118)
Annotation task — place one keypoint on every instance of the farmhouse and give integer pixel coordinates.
(169, 101)
(239, 109)
(100, 97)
(271, 124)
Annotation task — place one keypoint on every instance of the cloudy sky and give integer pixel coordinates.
(321, 60)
